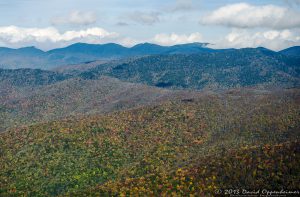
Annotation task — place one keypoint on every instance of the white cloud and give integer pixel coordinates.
(145, 18)
(18, 36)
(275, 40)
(128, 42)
(172, 39)
(76, 18)
(243, 15)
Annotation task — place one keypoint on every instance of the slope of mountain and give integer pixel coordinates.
(91, 49)
(153, 49)
(28, 96)
(292, 51)
(28, 51)
(77, 69)
(207, 70)
(28, 57)
(148, 49)
(81, 52)
(190, 48)
(241, 139)
(29, 77)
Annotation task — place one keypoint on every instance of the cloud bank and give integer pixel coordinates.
(172, 39)
(272, 39)
(244, 15)
(18, 36)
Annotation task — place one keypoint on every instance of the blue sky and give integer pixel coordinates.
(48, 24)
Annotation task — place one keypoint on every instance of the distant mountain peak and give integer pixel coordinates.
(30, 49)
(145, 44)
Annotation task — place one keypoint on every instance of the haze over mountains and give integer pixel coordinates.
(31, 57)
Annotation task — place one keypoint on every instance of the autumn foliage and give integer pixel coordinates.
(190, 147)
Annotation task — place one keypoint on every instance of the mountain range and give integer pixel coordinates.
(185, 120)
(31, 57)
(31, 95)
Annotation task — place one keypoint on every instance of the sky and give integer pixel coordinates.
(48, 24)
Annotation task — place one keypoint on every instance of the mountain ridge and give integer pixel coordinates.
(32, 57)
(210, 70)
(293, 51)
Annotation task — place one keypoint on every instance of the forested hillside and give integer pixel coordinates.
(242, 138)
(32, 98)
(218, 70)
